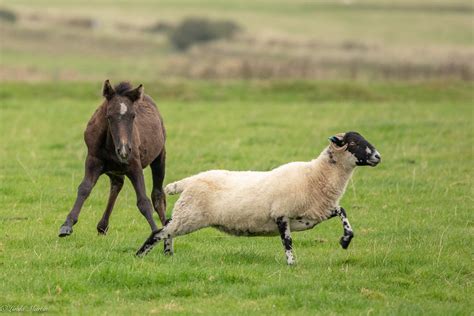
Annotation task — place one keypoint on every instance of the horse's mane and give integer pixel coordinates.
(122, 87)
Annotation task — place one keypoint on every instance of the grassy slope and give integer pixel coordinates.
(411, 215)
(404, 22)
(427, 28)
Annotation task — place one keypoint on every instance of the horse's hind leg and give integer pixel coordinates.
(116, 184)
(158, 197)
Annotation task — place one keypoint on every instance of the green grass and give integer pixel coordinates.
(412, 215)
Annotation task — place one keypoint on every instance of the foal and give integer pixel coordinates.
(124, 135)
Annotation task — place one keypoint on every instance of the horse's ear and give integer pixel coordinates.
(135, 94)
(107, 91)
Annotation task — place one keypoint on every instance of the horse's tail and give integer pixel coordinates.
(176, 187)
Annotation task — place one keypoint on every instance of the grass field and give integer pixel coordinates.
(412, 215)
(298, 39)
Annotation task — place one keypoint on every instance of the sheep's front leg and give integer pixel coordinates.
(284, 228)
(348, 233)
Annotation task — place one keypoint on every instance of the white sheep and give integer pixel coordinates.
(293, 197)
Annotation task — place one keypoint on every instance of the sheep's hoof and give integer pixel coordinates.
(345, 241)
(65, 231)
(143, 251)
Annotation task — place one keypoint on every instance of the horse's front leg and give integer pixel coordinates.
(93, 170)
(143, 202)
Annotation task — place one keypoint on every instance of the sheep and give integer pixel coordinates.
(293, 197)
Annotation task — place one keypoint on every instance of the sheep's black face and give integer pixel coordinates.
(365, 154)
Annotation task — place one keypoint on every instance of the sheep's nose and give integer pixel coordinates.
(377, 156)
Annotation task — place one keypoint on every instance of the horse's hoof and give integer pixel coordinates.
(102, 231)
(65, 231)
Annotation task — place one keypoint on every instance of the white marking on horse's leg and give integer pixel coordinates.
(123, 108)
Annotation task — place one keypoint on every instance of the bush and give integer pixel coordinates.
(196, 30)
(7, 16)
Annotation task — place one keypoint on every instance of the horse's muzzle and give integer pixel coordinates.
(123, 152)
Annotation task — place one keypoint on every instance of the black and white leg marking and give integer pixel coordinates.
(168, 243)
(164, 234)
(154, 238)
(284, 229)
(348, 233)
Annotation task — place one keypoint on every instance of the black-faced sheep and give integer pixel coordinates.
(293, 197)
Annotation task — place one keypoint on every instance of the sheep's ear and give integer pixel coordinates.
(135, 94)
(338, 140)
(107, 91)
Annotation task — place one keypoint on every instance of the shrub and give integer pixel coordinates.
(196, 30)
(7, 16)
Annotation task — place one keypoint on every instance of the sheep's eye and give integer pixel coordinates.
(352, 143)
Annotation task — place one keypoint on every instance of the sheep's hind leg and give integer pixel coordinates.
(151, 241)
(183, 223)
(348, 233)
(284, 228)
(168, 248)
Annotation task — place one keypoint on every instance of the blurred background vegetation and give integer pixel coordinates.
(150, 40)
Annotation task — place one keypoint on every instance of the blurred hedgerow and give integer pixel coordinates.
(195, 30)
(7, 15)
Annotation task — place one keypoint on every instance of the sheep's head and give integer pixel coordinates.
(354, 149)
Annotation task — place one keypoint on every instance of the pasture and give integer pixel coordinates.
(336, 40)
(412, 215)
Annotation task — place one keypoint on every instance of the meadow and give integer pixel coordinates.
(282, 39)
(412, 215)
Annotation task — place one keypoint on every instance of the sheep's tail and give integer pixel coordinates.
(175, 187)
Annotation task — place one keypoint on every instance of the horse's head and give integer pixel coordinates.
(120, 116)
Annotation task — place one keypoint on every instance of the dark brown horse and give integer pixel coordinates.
(124, 135)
